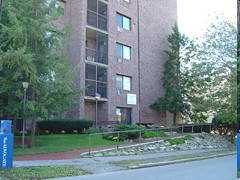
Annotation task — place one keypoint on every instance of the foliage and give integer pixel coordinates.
(179, 140)
(92, 130)
(134, 135)
(238, 81)
(213, 71)
(225, 123)
(173, 82)
(41, 172)
(111, 136)
(152, 134)
(33, 49)
(203, 128)
(134, 131)
(204, 70)
(57, 126)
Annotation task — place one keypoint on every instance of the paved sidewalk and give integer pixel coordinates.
(101, 164)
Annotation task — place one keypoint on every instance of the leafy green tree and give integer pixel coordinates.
(173, 80)
(214, 71)
(33, 49)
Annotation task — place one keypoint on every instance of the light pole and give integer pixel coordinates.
(25, 86)
(97, 97)
(185, 101)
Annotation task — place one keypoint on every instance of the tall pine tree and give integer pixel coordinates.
(172, 77)
(33, 49)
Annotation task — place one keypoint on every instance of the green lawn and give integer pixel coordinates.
(69, 142)
(40, 172)
(61, 143)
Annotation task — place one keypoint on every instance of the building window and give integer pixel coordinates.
(96, 80)
(123, 115)
(123, 51)
(123, 21)
(97, 14)
(123, 82)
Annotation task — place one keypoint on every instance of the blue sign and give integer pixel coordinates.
(238, 150)
(6, 144)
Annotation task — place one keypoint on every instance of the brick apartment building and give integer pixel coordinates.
(120, 44)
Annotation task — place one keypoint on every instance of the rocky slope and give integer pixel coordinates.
(199, 141)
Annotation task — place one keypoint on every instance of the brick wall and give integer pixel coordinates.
(151, 22)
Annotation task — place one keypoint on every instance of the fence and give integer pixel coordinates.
(172, 130)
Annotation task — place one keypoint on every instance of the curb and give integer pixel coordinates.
(180, 161)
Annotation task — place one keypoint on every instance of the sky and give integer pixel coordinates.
(193, 15)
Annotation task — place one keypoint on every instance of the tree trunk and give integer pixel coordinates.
(33, 130)
(14, 124)
(174, 119)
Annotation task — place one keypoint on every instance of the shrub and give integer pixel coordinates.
(225, 123)
(111, 136)
(69, 126)
(128, 135)
(203, 128)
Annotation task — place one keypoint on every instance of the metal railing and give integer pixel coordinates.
(169, 130)
(93, 55)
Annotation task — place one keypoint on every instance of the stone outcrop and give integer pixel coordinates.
(199, 141)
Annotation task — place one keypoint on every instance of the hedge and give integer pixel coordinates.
(68, 126)
(128, 135)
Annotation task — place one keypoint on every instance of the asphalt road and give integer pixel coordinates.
(222, 168)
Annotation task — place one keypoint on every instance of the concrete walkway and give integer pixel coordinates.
(101, 164)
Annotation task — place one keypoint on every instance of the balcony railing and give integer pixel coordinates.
(96, 56)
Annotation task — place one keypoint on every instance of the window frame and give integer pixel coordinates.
(96, 76)
(126, 82)
(124, 112)
(120, 21)
(122, 52)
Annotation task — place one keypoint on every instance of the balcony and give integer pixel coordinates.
(93, 55)
(96, 20)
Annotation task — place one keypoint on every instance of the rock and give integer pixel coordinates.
(200, 141)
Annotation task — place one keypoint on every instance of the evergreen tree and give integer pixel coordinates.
(33, 49)
(173, 81)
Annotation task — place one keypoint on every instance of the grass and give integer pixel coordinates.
(151, 134)
(68, 142)
(179, 140)
(61, 143)
(128, 163)
(36, 173)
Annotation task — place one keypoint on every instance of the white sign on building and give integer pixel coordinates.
(132, 99)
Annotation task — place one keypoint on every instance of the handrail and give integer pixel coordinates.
(170, 129)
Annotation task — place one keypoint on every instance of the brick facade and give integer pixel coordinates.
(151, 22)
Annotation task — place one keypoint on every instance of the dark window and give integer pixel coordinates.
(97, 14)
(123, 115)
(96, 80)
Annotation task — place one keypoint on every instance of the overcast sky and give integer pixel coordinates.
(193, 16)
